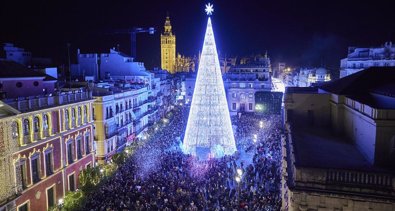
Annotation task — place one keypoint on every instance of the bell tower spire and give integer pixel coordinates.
(168, 47)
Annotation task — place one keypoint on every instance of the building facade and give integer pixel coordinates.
(54, 136)
(243, 81)
(362, 58)
(8, 192)
(339, 150)
(120, 116)
(306, 77)
(168, 48)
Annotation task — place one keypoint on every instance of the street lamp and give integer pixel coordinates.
(237, 178)
(239, 172)
(60, 201)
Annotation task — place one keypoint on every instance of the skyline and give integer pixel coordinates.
(301, 34)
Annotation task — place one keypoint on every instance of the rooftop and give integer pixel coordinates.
(9, 69)
(362, 82)
(319, 148)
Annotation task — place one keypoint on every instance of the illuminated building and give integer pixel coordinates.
(168, 48)
(209, 130)
(244, 80)
(54, 134)
(120, 114)
(307, 77)
(8, 146)
(339, 152)
(362, 58)
(184, 64)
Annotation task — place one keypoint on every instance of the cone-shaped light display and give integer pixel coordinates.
(209, 128)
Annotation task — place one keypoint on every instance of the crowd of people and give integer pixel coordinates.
(158, 176)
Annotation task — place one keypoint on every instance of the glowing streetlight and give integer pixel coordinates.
(239, 172)
(60, 201)
(255, 136)
(237, 179)
(101, 171)
(127, 151)
(254, 140)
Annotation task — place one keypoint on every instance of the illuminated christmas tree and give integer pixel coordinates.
(209, 128)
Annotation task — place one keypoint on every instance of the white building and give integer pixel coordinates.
(243, 81)
(121, 114)
(19, 55)
(309, 76)
(105, 65)
(362, 58)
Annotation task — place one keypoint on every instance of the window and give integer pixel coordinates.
(45, 125)
(70, 152)
(250, 106)
(87, 148)
(67, 118)
(233, 106)
(234, 95)
(24, 207)
(50, 197)
(21, 168)
(15, 130)
(48, 163)
(85, 114)
(79, 148)
(79, 115)
(26, 127)
(71, 182)
(35, 169)
(72, 117)
(36, 124)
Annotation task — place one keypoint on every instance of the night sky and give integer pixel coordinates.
(300, 33)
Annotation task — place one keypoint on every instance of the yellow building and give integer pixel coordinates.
(168, 48)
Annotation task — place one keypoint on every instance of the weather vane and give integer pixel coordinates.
(209, 9)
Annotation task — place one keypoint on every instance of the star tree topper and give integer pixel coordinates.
(209, 9)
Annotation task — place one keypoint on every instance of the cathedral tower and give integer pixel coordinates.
(168, 48)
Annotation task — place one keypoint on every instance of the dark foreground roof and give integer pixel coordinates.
(363, 82)
(9, 69)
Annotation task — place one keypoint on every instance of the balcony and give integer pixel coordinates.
(32, 103)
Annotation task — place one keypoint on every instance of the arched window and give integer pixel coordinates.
(73, 114)
(67, 118)
(45, 121)
(15, 130)
(116, 109)
(79, 115)
(26, 127)
(85, 114)
(36, 124)
(45, 125)
(72, 117)
(126, 105)
(87, 145)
